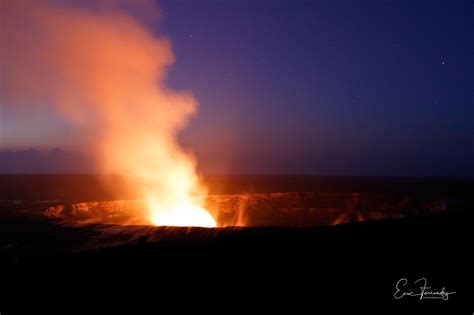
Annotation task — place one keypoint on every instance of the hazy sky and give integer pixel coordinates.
(322, 87)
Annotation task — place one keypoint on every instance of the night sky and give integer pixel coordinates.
(325, 87)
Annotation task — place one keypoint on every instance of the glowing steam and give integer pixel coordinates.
(104, 70)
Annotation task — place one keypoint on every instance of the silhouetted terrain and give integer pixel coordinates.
(348, 267)
(91, 187)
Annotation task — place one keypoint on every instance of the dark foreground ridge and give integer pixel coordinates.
(266, 268)
(350, 268)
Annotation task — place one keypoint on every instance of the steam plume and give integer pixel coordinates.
(103, 70)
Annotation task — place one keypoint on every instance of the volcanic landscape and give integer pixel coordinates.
(91, 218)
(278, 229)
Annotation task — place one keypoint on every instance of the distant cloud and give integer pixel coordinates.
(32, 161)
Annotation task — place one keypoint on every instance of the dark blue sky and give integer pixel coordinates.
(332, 87)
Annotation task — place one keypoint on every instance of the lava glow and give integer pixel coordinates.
(184, 213)
(178, 203)
(103, 71)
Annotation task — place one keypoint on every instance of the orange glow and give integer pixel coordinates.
(104, 71)
(184, 213)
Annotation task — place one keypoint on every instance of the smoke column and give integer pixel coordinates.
(103, 69)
